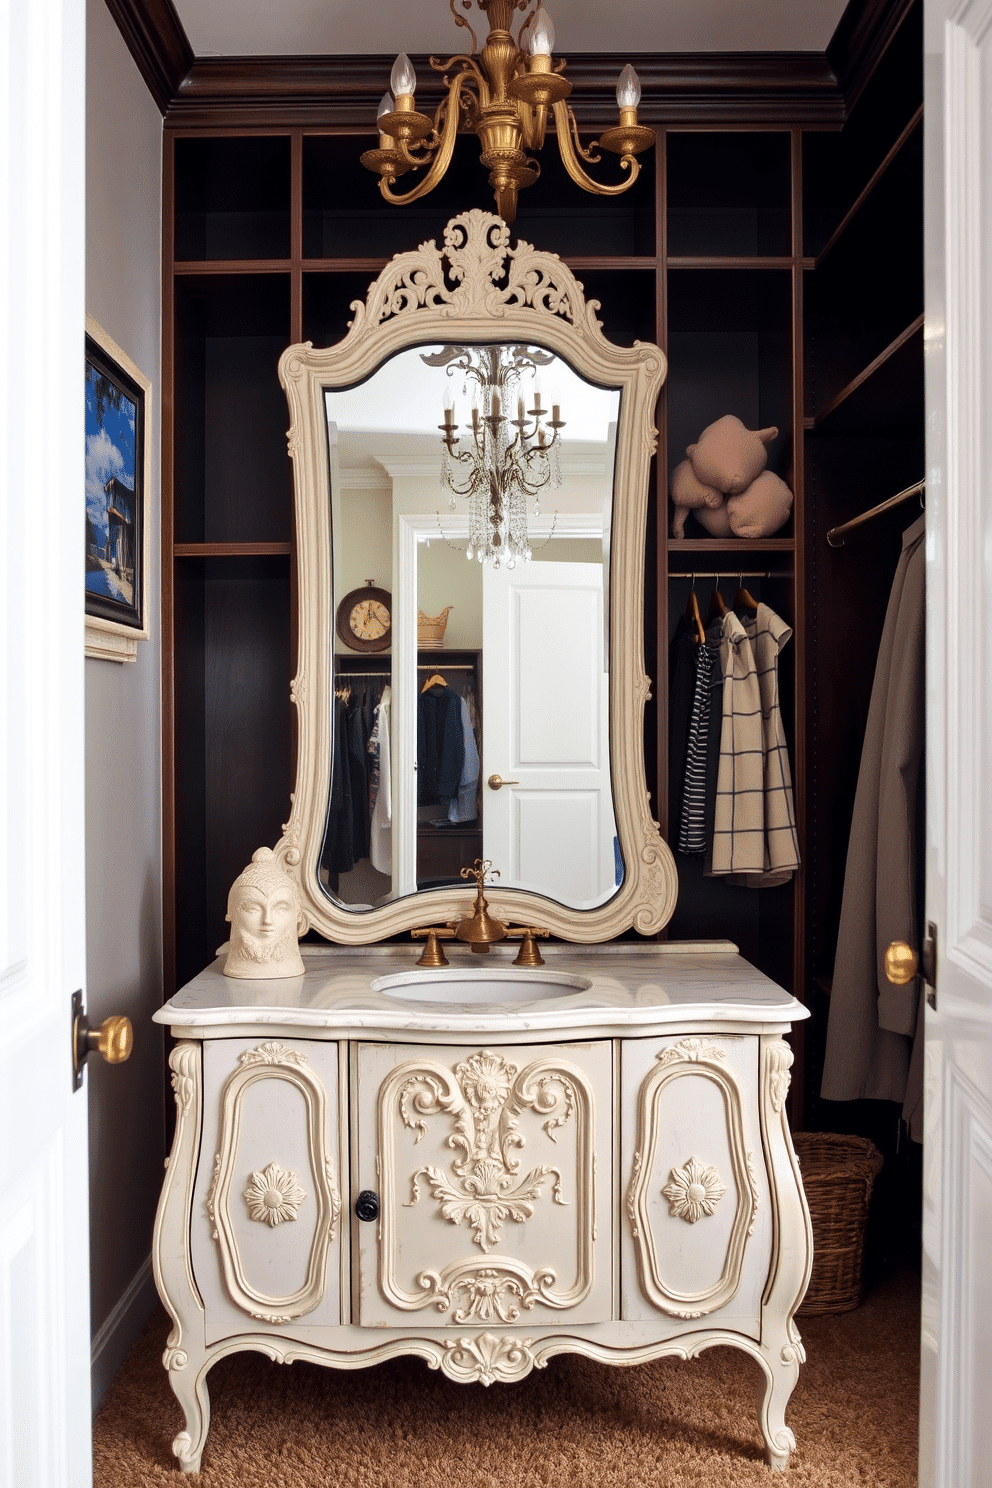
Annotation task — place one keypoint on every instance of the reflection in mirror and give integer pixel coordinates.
(477, 724)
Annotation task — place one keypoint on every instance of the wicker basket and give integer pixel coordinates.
(431, 628)
(838, 1174)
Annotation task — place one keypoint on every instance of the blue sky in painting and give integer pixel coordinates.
(109, 452)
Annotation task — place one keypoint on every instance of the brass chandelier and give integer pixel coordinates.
(505, 98)
(505, 460)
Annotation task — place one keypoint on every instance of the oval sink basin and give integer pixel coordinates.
(482, 985)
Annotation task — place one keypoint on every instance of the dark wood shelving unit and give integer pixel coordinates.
(758, 251)
(903, 343)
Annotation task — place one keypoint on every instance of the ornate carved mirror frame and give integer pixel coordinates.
(476, 289)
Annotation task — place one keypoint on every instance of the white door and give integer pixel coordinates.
(546, 731)
(44, 1261)
(956, 1424)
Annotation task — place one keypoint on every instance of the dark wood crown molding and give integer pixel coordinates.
(681, 89)
(692, 88)
(156, 40)
(863, 33)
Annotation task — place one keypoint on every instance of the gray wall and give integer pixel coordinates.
(123, 730)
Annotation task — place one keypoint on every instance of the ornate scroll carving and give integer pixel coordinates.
(488, 1358)
(483, 1098)
(273, 1061)
(487, 1191)
(779, 1064)
(694, 1189)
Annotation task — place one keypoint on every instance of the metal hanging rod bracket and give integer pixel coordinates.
(836, 535)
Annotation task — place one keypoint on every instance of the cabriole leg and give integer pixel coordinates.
(190, 1388)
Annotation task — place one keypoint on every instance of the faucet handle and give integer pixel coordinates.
(433, 953)
(528, 954)
(481, 869)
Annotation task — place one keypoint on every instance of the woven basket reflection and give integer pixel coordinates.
(431, 628)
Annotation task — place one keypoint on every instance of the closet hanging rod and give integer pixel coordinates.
(836, 535)
(432, 666)
(730, 573)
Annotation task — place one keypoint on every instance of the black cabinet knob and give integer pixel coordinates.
(367, 1205)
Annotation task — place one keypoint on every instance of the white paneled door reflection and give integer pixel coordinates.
(546, 731)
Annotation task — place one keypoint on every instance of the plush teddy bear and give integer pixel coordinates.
(728, 456)
(715, 521)
(689, 494)
(760, 510)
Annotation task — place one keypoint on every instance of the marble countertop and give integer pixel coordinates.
(607, 989)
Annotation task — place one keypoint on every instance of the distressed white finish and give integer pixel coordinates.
(546, 707)
(956, 1428)
(273, 1098)
(692, 1102)
(44, 1239)
(485, 1162)
(476, 289)
(521, 1153)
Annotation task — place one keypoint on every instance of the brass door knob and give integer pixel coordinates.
(495, 781)
(901, 963)
(114, 1039)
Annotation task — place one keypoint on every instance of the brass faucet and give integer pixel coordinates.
(480, 929)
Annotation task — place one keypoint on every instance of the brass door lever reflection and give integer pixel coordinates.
(496, 781)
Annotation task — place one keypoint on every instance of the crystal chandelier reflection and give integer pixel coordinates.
(507, 99)
(505, 461)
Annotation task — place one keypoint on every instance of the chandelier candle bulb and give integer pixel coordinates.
(541, 41)
(628, 91)
(403, 80)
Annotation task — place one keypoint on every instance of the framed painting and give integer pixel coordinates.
(118, 473)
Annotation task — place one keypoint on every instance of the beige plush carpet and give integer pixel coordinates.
(400, 1425)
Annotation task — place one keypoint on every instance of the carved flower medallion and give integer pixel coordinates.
(273, 1194)
(693, 1191)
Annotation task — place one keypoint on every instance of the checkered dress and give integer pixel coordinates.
(768, 634)
(739, 819)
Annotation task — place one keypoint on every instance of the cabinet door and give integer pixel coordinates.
(265, 1239)
(492, 1166)
(697, 1227)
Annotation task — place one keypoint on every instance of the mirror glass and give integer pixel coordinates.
(471, 699)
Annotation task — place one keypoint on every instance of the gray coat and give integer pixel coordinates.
(873, 1026)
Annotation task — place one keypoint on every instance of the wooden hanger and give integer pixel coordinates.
(744, 601)
(434, 680)
(718, 604)
(693, 615)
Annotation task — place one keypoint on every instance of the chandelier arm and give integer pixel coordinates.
(592, 154)
(445, 149)
(461, 21)
(533, 124)
(571, 162)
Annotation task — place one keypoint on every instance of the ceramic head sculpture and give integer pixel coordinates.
(264, 913)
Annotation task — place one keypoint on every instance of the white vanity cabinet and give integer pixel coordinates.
(601, 1167)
